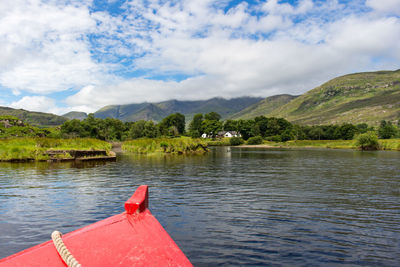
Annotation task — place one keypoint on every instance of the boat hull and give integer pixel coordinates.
(132, 238)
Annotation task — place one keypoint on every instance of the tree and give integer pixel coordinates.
(137, 129)
(298, 133)
(177, 120)
(212, 116)
(150, 130)
(245, 128)
(276, 126)
(261, 124)
(195, 126)
(73, 128)
(346, 131)
(288, 134)
(362, 127)
(112, 129)
(211, 127)
(329, 132)
(387, 130)
(230, 125)
(315, 133)
(92, 125)
(368, 141)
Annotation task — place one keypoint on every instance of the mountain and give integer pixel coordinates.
(263, 107)
(158, 111)
(355, 98)
(75, 115)
(34, 118)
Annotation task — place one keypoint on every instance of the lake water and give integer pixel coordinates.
(234, 206)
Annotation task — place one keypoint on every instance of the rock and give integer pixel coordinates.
(6, 123)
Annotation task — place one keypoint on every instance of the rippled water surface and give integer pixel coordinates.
(231, 207)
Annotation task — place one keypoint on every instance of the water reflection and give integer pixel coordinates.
(231, 207)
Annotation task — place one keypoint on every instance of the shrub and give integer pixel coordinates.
(274, 138)
(287, 135)
(256, 140)
(236, 141)
(367, 141)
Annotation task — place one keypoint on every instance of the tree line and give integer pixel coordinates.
(273, 129)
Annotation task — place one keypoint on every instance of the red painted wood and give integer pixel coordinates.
(139, 200)
(132, 238)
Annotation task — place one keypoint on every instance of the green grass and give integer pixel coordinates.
(389, 144)
(355, 98)
(181, 145)
(34, 118)
(35, 148)
(384, 144)
(350, 144)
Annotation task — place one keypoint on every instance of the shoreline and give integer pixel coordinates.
(384, 145)
(84, 155)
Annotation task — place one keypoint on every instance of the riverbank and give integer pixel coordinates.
(179, 145)
(384, 144)
(52, 149)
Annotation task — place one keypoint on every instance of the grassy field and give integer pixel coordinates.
(389, 144)
(35, 148)
(181, 145)
(34, 118)
(384, 144)
(367, 97)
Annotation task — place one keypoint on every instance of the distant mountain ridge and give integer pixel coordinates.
(158, 111)
(75, 115)
(263, 107)
(34, 118)
(354, 98)
(367, 97)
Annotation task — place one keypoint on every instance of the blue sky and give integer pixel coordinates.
(63, 55)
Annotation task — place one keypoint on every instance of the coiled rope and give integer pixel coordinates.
(63, 250)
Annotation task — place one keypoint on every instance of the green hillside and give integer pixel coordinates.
(75, 115)
(263, 107)
(158, 111)
(34, 118)
(355, 98)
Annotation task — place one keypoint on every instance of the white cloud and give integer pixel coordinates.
(274, 7)
(45, 46)
(229, 53)
(44, 104)
(385, 6)
(34, 103)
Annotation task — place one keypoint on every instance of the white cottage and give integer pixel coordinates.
(228, 134)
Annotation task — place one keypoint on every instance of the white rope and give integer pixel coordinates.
(63, 250)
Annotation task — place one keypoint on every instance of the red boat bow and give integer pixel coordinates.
(132, 238)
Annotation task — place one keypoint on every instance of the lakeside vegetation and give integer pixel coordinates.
(36, 148)
(20, 140)
(181, 145)
(383, 144)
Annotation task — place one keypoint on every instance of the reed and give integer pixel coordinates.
(389, 144)
(180, 145)
(27, 148)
